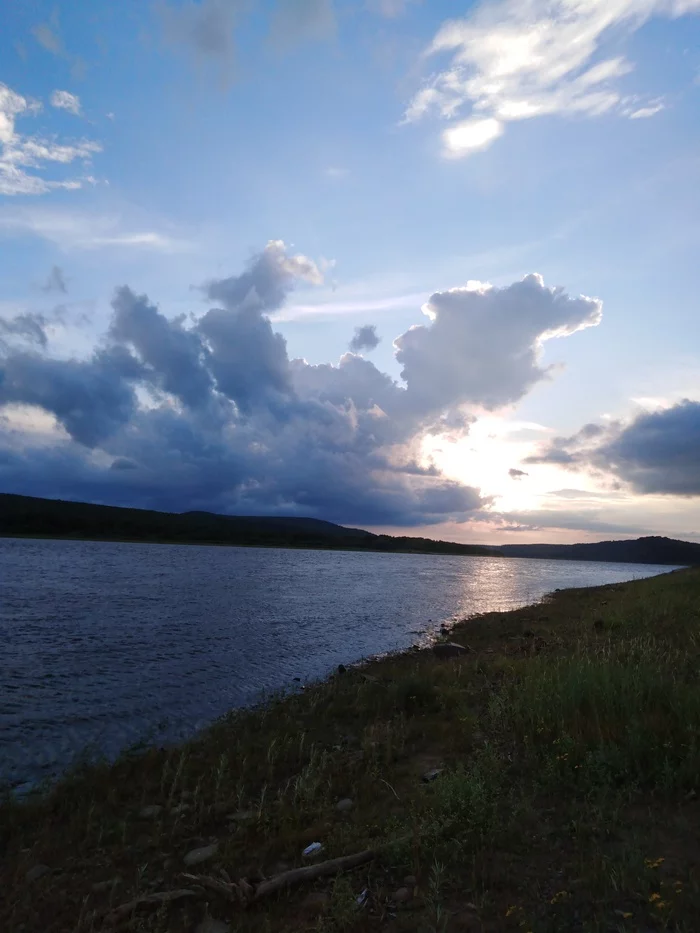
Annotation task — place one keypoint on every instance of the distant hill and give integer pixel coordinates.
(26, 516)
(651, 550)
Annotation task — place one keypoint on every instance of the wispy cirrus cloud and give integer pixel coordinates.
(80, 230)
(519, 59)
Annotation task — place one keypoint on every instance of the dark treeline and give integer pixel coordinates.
(26, 516)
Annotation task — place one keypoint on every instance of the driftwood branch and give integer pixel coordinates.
(148, 900)
(244, 892)
(298, 875)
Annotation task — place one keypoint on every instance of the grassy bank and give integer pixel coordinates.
(567, 746)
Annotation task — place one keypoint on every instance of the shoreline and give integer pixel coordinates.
(543, 778)
(153, 736)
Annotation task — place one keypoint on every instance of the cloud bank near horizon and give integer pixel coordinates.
(656, 453)
(209, 411)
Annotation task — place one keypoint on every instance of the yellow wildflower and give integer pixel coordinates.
(654, 897)
(559, 896)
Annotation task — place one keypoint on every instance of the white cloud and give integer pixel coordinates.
(76, 230)
(644, 112)
(519, 59)
(470, 136)
(336, 172)
(64, 100)
(19, 152)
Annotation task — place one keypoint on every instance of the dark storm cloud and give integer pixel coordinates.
(28, 326)
(174, 356)
(657, 452)
(365, 338)
(210, 412)
(90, 399)
(516, 474)
(55, 281)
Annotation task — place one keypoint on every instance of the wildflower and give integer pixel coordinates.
(653, 898)
(559, 896)
(511, 910)
(653, 862)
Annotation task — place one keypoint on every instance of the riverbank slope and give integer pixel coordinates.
(544, 778)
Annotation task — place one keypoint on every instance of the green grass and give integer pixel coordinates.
(569, 749)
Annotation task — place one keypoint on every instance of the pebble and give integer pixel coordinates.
(402, 895)
(312, 850)
(151, 811)
(210, 925)
(196, 856)
(38, 871)
(410, 881)
(431, 775)
(344, 805)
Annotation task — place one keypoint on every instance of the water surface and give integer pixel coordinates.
(106, 644)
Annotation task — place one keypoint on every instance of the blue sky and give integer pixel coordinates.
(400, 149)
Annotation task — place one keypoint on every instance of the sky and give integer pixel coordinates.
(427, 268)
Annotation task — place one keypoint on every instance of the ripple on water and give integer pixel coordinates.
(104, 645)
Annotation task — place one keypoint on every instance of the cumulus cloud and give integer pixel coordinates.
(519, 59)
(64, 100)
(656, 453)
(483, 343)
(365, 338)
(19, 152)
(210, 412)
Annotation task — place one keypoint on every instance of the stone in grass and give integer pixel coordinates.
(431, 775)
(211, 925)
(402, 895)
(38, 871)
(344, 805)
(313, 850)
(151, 811)
(410, 881)
(202, 854)
(449, 649)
